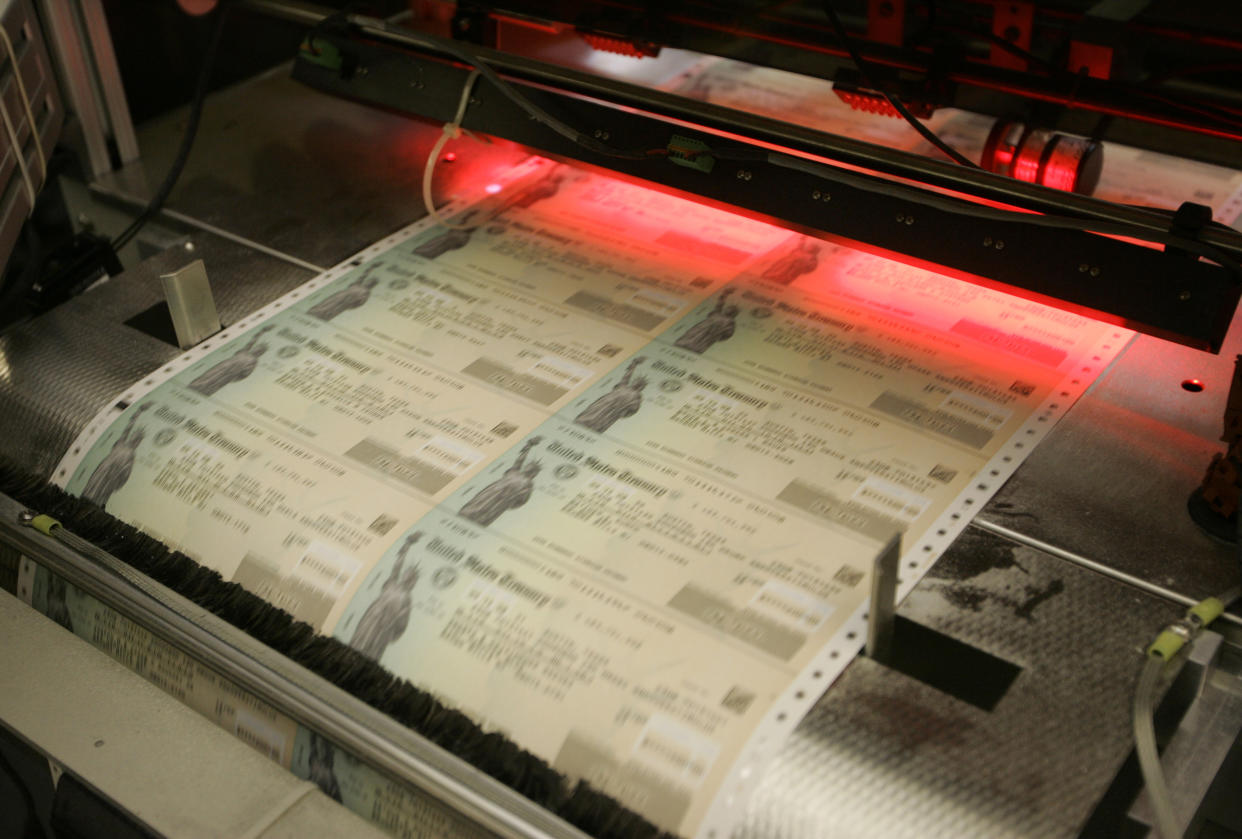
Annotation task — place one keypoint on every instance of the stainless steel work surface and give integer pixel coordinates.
(885, 755)
(298, 171)
(1112, 481)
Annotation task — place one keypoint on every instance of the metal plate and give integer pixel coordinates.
(884, 755)
(1111, 482)
(58, 370)
(306, 174)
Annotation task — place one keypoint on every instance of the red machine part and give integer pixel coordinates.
(1039, 156)
(1012, 22)
(873, 102)
(1096, 60)
(886, 21)
(620, 46)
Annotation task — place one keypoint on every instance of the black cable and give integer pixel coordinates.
(187, 138)
(1006, 45)
(1219, 114)
(925, 132)
(540, 115)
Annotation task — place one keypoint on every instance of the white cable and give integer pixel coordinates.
(1148, 756)
(452, 130)
(1166, 821)
(17, 152)
(21, 89)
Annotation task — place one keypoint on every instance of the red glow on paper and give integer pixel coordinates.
(449, 157)
(908, 268)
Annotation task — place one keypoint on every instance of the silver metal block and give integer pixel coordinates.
(190, 303)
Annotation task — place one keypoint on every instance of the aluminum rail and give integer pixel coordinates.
(291, 689)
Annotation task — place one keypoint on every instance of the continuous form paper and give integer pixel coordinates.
(606, 470)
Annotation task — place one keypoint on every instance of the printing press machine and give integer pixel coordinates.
(1004, 708)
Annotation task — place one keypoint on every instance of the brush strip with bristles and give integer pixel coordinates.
(579, 804)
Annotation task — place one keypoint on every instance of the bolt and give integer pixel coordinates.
(601, 134)
(25, 516)
(909, 220)
(743, 175)
(1095, 272)
(1000, 245)
(815, 195)
(826, 197)
(1082, 267)
(987, 242)
(901, 217)
(1184, 296)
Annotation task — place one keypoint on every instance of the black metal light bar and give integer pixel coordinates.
(1165, 293)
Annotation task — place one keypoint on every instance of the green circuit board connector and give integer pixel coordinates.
(691, 153)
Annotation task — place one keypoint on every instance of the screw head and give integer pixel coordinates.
(1082, 267)
(1000, 244)
(25, 516)
(1184, 296)
(987, 242)
(1095, 271)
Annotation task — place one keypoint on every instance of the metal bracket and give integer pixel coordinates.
(883, 601)
(1189, 221)
(191, 304)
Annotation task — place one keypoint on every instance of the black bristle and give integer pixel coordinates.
(493, 753)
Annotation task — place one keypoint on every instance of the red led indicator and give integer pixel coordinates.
(449, 157)
(492, 189)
